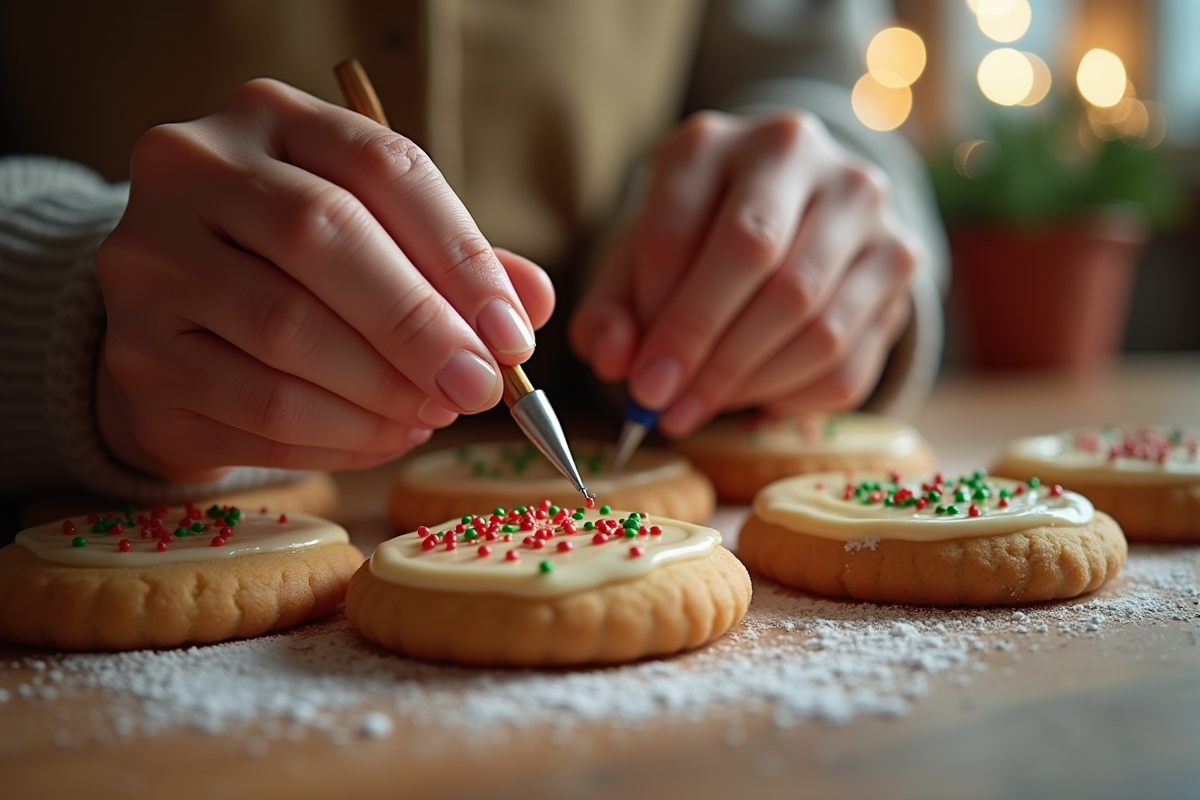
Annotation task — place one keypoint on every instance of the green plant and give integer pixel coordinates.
(1038, 170)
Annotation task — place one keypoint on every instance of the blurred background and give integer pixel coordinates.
(1063, 138)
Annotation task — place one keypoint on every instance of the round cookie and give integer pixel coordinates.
(743, 454)
(549, 587)
(1147, 477)
(440, 484)
(975, 541)
(170, 576)
(315, 493)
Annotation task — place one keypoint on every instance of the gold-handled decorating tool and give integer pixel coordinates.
(528, 406)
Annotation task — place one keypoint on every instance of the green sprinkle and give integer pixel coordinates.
(554, 510)
(182, 531)
(589, 526)
(1006, 493)
(978, 475)
(197, 527)
(498, 511)
(214, 512)
(234, 515)
(951, 510)
(577, 515)
(78, 541)
(479, 469)
(934, 495)
(888, 501)
(940, 510)
(981, 494)
(466, 518)
(510, 529)
(546, 566)
(631, 532)
(1034, 483)
(471, 534)
(522, 509)
(605, 509)
(962, 496)
(99, 528)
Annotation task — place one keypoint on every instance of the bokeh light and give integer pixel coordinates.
(975, 157)
(1042, 80)
(896, 57)
(879, 107)
(1003, 20)
(1101, 78)
(1005, 76)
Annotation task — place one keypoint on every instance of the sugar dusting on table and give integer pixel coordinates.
(795, 657)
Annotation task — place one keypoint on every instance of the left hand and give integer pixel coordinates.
(766, 267)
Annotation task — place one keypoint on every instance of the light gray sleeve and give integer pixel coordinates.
(758, 56)
(53, 216)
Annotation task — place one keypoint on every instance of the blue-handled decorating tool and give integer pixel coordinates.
(638, 422)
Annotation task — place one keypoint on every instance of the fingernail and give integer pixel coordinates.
(418, 436)
(468, 380)
(435, 415)
(656, 383)
(503, 329)
(683, 415)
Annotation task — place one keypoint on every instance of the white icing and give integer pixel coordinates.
(1086, 455)
(815, 505)
(254, 533)
(404, 561)
(816, 433)
(538, 478)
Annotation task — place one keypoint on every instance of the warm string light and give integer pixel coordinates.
(882, 98)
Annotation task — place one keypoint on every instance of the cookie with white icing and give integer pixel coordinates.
(977, 540)
(743, 454)
(438, 485)
(167, 576)
(541, 586)
(1147, 477)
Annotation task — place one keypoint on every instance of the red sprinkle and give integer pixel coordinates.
(159, 511)
(68, 527)
(484, 550)
(974, 510)
(262, 510)
(656, 530)
(539, 544)
(162, 546)
(591, 502)
(1056, 491)
(423, 531)
(545, 504)
(92, 517)
(643, 531)
(1020, 489)
(217, 541)
(512, 555)
(570, 529)
(636, 551)
(116, 530)
(1003, 502)
(451, 544)
(429, 543)
(124, 546)
(528, 541)
(226, 531)
(283, 519)
(600, 538)
(921, 503)
(565, 546)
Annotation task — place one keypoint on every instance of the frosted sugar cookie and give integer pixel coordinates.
(1146, 476)
(316, 493)
(170, 576)
(977, 540)
(440, 484)
(743, 454)
(539, 585)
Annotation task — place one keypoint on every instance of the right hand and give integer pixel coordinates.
(293, 285)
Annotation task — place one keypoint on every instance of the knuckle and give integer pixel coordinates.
(391, 390)
(156, 148)
(394, 160)
(868, 183)
(756, 237)
(798, 287)
(276, 410)
(281, 455)
(324, 216)
(845, 387)
(828, 336)
(411, 316)
(287, 327)
(694, 137)
(469, 260)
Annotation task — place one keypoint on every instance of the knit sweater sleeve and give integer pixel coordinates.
(53, 216)
(807, 54)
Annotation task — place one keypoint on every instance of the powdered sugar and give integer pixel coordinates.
(795, 658)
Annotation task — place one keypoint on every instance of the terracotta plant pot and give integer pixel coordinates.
(1056, 299)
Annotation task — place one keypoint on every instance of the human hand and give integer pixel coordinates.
(764, 268)
(293, 285)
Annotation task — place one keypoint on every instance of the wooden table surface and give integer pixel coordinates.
(1113, 713)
